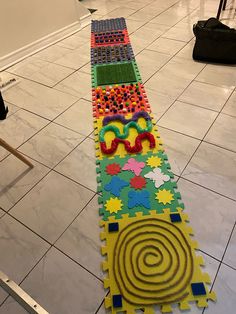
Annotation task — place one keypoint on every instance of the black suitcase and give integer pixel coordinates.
(215, 42)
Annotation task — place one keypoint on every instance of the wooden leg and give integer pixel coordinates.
(220, 9)
(224, 5)
(15, 153)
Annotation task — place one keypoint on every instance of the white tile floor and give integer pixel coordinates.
(49, 234)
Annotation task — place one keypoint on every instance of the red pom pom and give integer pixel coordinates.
(113, 169)
(138, 182)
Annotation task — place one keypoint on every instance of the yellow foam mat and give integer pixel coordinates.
(121, 151)
(151, 260)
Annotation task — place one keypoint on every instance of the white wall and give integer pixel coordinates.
(25, 21)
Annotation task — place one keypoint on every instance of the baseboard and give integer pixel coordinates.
(85, 20)
(28, 50)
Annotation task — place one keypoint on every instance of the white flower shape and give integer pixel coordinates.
(157, 176)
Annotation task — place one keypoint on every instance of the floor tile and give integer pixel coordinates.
(132, 25)
(179, 149)
(81, 241)
(154, 7)
(40, 71)
(171, 16)
(59, 200)
(51, 144)
(52, 53)
(72, 42)
(78, 84)
(75, 59)
(121, 11)
(11, 108)
(22, 249)
(149, 32)
(17, 179)
(86, 68)
(145, 35)
(188, 119)
(206, 95)
(86, 31)
(55, 277)
(204, 207)
(165, 45)
(80, 165)
(220, 75)
(180, 32)
(134, 4)
(225, 287)
(150, 62)
(230, 107)
(12, 307)
(159, 102)
(222, 132)
(1, 212)
(39, 99)
(78, 117)
(175, 76)
(201, 13)
(142, 16)
(214, 168)
(187, 51)
(230, 255)
(106, 8)
(18, 128)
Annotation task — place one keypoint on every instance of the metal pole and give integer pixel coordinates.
(20, 295)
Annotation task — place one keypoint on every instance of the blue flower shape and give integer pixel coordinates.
(115, 186)
(139, 198)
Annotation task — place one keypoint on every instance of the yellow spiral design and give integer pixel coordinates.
(152, 262)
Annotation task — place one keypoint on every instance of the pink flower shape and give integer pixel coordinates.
(134, 166)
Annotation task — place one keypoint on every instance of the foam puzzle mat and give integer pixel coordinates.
(115, 73)
(108, 54)
(109, 38)
(150, 258)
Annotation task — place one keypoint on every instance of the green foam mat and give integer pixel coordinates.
(115, 73)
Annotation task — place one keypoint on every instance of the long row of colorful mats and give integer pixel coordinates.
(149, 253)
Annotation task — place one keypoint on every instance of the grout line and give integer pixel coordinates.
(208, 128)
(214, 85)
(221, 262)
(80, 212)
(233, 268)
(211, 256)
(22, 77)
(50, 170)
(76, 262)
(195, 138)
(231, 234)
(50, 246)
(209, 189)
(73, 180)
(103, 301)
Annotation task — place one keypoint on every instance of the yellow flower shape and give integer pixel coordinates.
(164, 196)
(154, 161)
(113, 205)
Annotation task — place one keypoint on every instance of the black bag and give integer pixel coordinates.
(215, 42)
